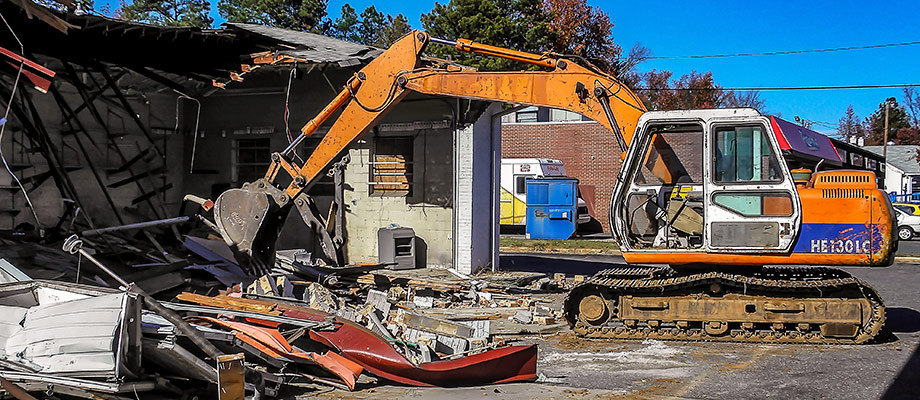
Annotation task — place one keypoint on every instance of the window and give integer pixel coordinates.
(251, 158)
(392, 167)
(755, 204)
(743, 154)
(674, 156)
(528, 115)
(520, 183)
(857, 160)
(905, 209)
(844, 155)
(557, 115)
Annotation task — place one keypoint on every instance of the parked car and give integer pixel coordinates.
(908, 224)
(913, 209)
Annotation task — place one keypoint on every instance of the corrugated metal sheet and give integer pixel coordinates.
(77, 337)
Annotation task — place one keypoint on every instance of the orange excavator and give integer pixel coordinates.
(726, 242)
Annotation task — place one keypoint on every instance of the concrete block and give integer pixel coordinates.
(523, 317)
(379, 301)
(481, 328)
(434, 325)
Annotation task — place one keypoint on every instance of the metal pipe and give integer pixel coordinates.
(139, 225)
(473, 47)
(442, 41)
(605, 105)
(74, 245)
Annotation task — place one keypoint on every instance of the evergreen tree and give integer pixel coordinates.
(515, 24)
(372, 27)
(298, 15)
(167, 12)
(897, 119)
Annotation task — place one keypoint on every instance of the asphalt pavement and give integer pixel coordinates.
(887, 369)
(909, 248)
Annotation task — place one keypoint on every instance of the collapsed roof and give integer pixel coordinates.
(177, 57)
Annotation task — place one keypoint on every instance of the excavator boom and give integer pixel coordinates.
(250, 218)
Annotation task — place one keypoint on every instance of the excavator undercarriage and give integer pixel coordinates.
(782, 304)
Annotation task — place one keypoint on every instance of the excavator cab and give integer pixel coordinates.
(705, 181)
(708, 193)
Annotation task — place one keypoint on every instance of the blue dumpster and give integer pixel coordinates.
(552, 204)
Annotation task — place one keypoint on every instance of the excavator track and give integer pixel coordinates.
(766, 305)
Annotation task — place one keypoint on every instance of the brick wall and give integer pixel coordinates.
(589, 152)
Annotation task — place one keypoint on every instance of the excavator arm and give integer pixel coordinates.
(250, 218)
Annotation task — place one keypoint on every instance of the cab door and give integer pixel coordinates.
(751, 204)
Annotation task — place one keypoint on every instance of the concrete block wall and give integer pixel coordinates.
(589, 152)
(428, 210)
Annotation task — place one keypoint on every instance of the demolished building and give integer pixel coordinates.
(137, 116)
(132, 124)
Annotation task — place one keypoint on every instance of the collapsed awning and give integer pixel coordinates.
(797, 140)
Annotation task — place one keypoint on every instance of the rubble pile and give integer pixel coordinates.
(185, 320)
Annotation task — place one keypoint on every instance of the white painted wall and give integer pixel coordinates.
(477, 149)
(894, 179)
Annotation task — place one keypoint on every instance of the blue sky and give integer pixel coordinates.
(675, 28)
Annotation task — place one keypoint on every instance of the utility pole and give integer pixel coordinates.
(888, 102)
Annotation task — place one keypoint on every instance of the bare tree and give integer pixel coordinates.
(912, 101)
(850, 128)
(748, 98)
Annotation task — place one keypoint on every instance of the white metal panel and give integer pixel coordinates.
(9, 273)
(74, 337)
(49, 295)
(10, 317)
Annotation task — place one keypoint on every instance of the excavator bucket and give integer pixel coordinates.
(249, 219)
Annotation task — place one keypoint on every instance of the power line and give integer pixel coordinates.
(775, 88)
(777, 53)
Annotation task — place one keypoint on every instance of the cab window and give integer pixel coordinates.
(674, 156)
(743, 154)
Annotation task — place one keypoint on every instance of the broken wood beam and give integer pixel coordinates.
(14, 390)
(230, 377)
(377, 279)
(142, 175)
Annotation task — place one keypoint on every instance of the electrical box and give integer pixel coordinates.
(396, 247)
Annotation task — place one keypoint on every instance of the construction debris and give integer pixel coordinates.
(181, 318)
